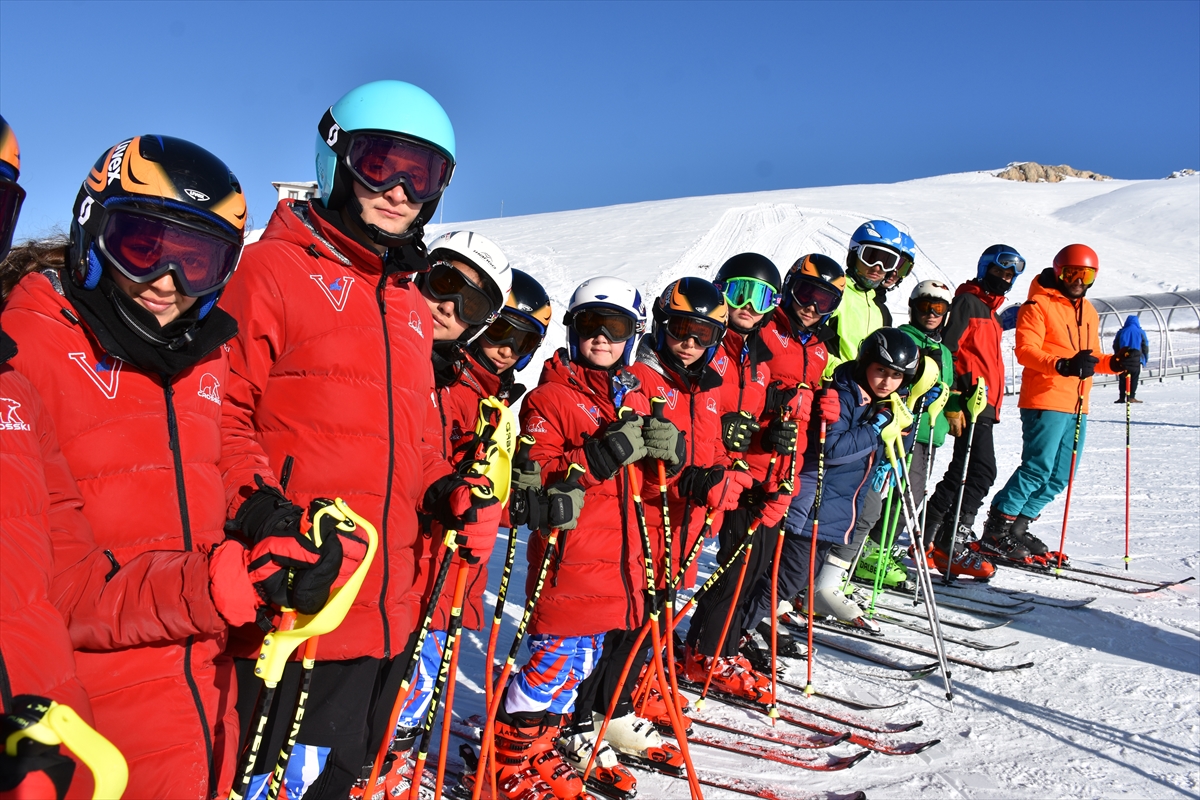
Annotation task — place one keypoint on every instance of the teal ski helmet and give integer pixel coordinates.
(394, 112)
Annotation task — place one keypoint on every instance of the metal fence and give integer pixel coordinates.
(1172, 324)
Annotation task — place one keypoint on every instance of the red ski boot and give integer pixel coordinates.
(732, 675)
(562, 778)
(967, 562)
(516, 777)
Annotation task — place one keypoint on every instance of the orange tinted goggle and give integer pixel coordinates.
(1085, 274)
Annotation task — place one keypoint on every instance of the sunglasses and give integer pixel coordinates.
(930, 306)
(706, 333)
(144, 248)
(759, 295)
(615, 325)
(471, 303)
(382, 162)
(1085, 274)
(516, 334)
(886, 259)
(819, 297)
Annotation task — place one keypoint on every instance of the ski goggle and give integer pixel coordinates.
(929, 305)
(144, 248)
(11, 198)
(1009, 261)
(1085, 274)
(705, 333)
(615, 325)
(471, 303)
(822, 299)
(872, 255)
(759, 295)
(382, 162)
(516, 334)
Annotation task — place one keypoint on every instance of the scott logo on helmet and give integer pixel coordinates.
(332, 138)
(115, 160)
(85, 210)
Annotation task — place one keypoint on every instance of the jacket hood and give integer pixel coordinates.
(992, 301)
(1132, 321)
(295, 222)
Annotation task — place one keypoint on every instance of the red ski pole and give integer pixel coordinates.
(812, 554)
(1062, 543)
(1127, 469)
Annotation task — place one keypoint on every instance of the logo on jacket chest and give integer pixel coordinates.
(672, 397)
(537, 425)
(782, 337)
(105, 373)
(414, 322)
(712, 404)
(10, 420)
(210, 388)
(720, 364)
(337, 290)
(593, 412)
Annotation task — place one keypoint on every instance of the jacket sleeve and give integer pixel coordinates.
(1031, 336)
(434, 465)
(551, 450)
(1145, 348)
(254, 299)
(851, 437)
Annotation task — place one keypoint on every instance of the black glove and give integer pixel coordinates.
(619, 445)
(777, 398)
(665, 442)
(527, 500)
(266, 512)
(1081, 365)
(1128, 360)
(737, 428)
(565, 500)
(465, 503)
(36, 766)
(289, 570)
(780, 436)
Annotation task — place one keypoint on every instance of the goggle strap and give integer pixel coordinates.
(332, 133)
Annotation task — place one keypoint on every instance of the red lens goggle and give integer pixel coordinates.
(382, 162)
(144, 248)
(931, 306)
(704, 332)
(810, 294)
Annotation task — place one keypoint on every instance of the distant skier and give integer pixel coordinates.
(1058, 331)
(1131, 337)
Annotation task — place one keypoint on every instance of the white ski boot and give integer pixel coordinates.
(830, 598)
(638, 740)
(607, 772)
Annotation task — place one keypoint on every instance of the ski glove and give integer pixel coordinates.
(665, 443)
(620, 444)
(565, 501)
(715, 487)
(266, 512)
(778, 398)
(957, 421)
(526, 500)
(290, 570)
(234, 596)
(883, 416)
(1128, 360)
(830, 406)
(737, 429)
(933, 394)
(37, 770)
(466, 504)
(780, 435)
(881, 477)
(1081, 365)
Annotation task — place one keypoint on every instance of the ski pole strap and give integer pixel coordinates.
(51, 723)
(977, 402)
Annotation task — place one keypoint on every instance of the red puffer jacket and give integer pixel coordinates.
(458, 412)
(596, 581)
(694, 407)
(331, 365)
(145, 458)
(973, 334)
(798, 359)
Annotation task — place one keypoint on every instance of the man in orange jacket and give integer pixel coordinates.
(1058, 331)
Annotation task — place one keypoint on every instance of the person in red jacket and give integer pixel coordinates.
(587, 410)
(972, 334)
(120, 336)
(331, 368)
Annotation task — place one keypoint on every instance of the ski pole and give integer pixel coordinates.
(975, 404)
(574, 474)
(812, 551)
(49, 723)
(1062, 543)
(789, 487)
(445, 673)
(712, 668)
(524, 444)
(934, 410)
(1128, 425)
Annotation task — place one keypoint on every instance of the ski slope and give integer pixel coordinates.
(1112, 706)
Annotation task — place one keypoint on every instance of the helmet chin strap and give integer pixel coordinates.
(378, 235)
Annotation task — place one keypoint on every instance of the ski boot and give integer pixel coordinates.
(966, 562)
(732, 675)
(830, 600)
(655, 710)
(562, 778)
(638, 741)
(873, 559)
(609, 776)
(1020, 531)
(516, 776)
(998, 541)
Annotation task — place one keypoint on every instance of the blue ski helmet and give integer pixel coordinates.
(880, 233)
(1004, 257)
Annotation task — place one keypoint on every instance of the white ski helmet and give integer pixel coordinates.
(607, 292)
(480, 252)
(933, 289)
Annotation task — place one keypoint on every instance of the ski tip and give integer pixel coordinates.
(908, 726)
(857, 757)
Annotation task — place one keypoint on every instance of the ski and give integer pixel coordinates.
(812, 741)
(939, 587)
(1129, 578)
(998, 610)
(913, 673)
(779, 755)
(910, 611)
(857, 705)
(959, 640)
(862, 740)
(845, 719)
(764, 791)
(912, 648)
(1072, 574)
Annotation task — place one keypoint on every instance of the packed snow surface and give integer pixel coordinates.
(1111, 707)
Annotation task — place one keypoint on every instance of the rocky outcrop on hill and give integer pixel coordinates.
(1181, 173)
(1032, 172)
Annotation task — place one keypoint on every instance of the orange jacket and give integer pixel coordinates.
(1051, 326)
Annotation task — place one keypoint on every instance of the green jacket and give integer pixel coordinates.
(858, 315)
(941, 354)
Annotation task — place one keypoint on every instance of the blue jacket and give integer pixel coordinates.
(1132, 336)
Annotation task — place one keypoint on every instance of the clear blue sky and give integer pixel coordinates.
(573, 105)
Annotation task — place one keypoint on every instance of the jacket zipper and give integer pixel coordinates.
(6, 696)
(391, 467)
(186, 522)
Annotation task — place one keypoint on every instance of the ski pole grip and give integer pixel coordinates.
(59, 724)
(525, 444)
(658, 406)
(574, 476)
(978, 400)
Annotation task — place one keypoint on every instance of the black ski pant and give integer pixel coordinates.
(704, 634)
(981, 474)
(597, 689)
(1133, 384)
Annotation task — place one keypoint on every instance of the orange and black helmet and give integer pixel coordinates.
(814, 280)
(167, 191)
(11, 195)
(691, 308)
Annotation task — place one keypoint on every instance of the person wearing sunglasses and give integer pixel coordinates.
(332, 371)
(879, 254)
(120, 334)
(1058, 347)
(801, 349)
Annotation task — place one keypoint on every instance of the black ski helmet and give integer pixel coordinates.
(894, 349)
(528, 308)
(817, 270)
(748, 265)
